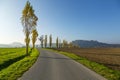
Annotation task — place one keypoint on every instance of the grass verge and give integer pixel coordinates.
(15, 70)
(98, 68)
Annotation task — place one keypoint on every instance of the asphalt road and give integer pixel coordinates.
(54, 66)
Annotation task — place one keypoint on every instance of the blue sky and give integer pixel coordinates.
(67, 19)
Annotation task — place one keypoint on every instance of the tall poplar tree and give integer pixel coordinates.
(57, 43)
(45, 42)
(41, 40)
(50, 41)
(34, 37)
(29, 22)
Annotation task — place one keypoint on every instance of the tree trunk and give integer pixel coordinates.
(26, 48)
(27, 43)
(33, 46)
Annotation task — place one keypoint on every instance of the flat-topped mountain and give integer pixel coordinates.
(93, 44)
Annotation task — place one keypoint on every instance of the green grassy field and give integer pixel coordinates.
(14, 62)
(10, 55)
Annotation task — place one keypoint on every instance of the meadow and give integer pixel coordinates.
(10, 55)
(14, 62)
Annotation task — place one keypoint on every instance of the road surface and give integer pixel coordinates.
(54, 66)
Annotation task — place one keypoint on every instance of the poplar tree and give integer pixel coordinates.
(41, 40)
(34, 37)
(45, 43)
(29, 22)
(50, 41)
(57, 43)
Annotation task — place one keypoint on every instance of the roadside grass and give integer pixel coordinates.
(98, 68)
(15, 70)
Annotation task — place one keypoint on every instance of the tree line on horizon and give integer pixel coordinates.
(58, 44)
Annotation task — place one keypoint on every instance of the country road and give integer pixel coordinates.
(54, 66)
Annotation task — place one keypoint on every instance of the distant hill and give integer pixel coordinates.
(4, 45)
(14, 44)
(93, 44)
